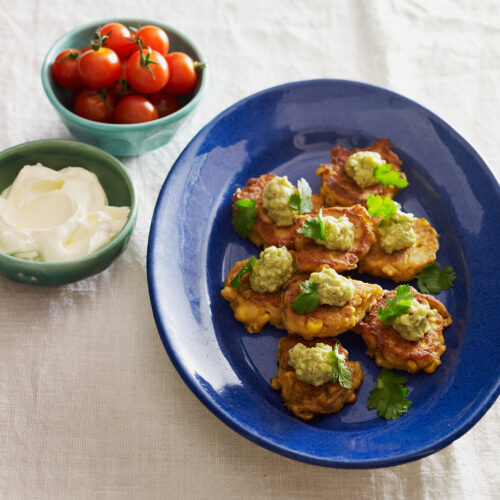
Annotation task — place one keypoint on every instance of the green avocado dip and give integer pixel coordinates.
(274, 268)
(360, 166)
(413, 324)
(333, 289)
(276, 198)
(313, 365)
(339, 232)
(396, 232)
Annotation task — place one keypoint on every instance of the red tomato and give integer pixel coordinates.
(183, 76)
(147, 71)
(134, 109)
(99, 68)
(154, 37)
(166, 104)
(118, 39)
(121, 88)
(94, 105)
(65, 69)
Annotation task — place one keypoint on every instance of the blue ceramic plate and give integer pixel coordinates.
(289, 130)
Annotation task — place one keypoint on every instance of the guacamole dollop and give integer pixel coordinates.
(413, 324)
(274, 267)
(360, 166)
(333, 289)
(313, 365)
(276, 198)
(339, 233)
(396, 232)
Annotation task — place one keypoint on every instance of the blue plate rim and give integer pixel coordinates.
(487, 400)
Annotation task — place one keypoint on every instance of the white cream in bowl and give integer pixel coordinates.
(56, 215)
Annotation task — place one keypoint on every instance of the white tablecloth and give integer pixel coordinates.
(90, 405)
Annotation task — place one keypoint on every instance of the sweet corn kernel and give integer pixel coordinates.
(314, 325)
(412, 366)
(260, 322)
(241, 314)
(431, 368)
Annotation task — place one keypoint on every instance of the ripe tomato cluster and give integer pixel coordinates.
(126, 75)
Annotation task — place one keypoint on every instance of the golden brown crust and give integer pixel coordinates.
(312, 257)
(390, 350)
(305, 400)
(338, 188)
(326, 320)
(403, 265)
(265, 232)
(251, 308)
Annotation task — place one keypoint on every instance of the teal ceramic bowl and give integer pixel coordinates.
(117, 184)
(118, 139)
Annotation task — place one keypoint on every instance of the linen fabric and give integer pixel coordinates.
(90, 405)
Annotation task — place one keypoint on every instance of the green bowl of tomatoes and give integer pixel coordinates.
(125, 85)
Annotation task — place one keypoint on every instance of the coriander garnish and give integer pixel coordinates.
(236, 281)
(244, 219)
(389, 397)
(433, 279)
(300, 200)
(388, 177)
(314, 228)
(340, 371)
(308, 300)
(396, 306)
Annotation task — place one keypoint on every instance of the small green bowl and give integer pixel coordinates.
(118, 139)
(117, 184)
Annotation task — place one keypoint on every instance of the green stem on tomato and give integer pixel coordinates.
(102, 94)
(72, 55)
(98, 40)
(146, 61)
(104, 97)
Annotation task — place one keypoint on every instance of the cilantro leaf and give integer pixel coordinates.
(308, 300)
(389, 397)
(381, 207)
(433, 279)
(244, 218)
(301, 199)
(314, 228)
(396, 306)
(340, 371)
(295, 201)
(446, 278)
(236, 281)
(388, 177)
(305, 194)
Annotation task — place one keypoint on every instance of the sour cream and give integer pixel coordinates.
(56, 215)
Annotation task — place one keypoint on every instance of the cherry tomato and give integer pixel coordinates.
(154, 37)
(118, 39)
(183, 76)
(147, 71)
(65, 69)
(166, 104)
(121, 88)
(99, 68)
(134, 109)
(94, 105)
